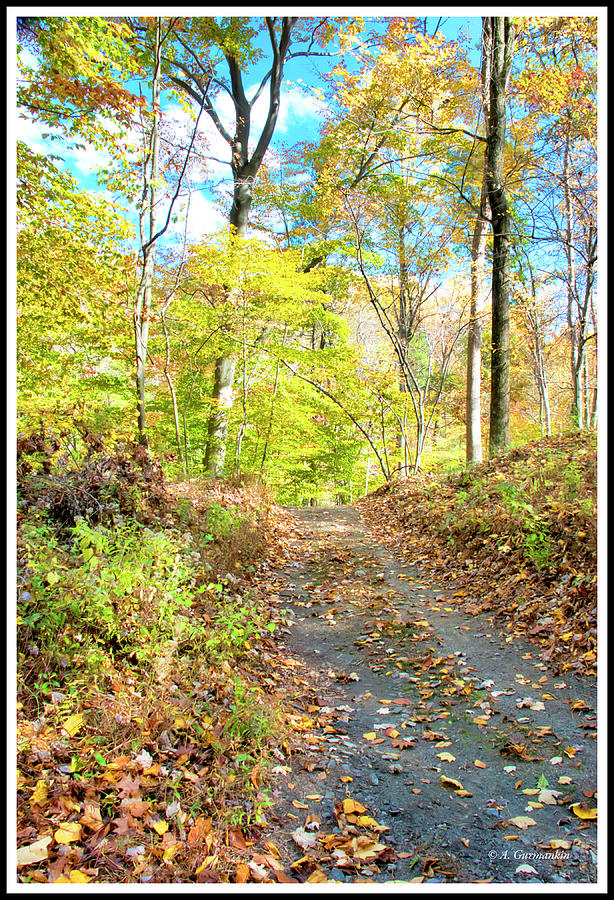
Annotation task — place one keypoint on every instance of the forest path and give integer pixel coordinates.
(395, 691)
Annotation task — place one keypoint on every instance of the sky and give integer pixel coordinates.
(301, 115)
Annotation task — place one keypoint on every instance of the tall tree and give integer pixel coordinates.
(498, 43)
(473, 421)
(194, 69)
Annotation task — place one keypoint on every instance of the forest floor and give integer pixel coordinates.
(431, 746)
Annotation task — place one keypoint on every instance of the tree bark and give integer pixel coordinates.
(473, 425)
(502, 42)
(217, 431)
(474, 337)
(572, 296)
(142, 305)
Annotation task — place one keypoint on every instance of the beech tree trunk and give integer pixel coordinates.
(147, 215)
(217, 431)
(474, 337)
(501, 47)
(473, 425)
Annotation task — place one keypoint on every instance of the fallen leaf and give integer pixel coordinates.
(584, 811)
(446, 757)
(451, 783)
(304, 839)
(91, 817)
(479, 764)
(68, 832)
(72, 724)
(522, 822)
(33, 853)
(39, 794)
(199, 830)
(317, 877)
(282, 878)
(241, 873)
(353, 806)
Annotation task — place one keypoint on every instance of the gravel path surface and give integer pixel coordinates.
(471, 760)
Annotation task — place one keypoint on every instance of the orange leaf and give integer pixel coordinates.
(242, 873)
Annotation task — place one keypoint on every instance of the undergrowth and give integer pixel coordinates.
(137, 637)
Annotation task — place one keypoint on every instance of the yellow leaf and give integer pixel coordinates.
(479, 764)
(446, 757)
(298, 805)
(171, 850)
(208, 861)
(33, 853)
(161, 827)
(68, 832)
(451, 782)
(368, 821)
(370, 851)
(370, 736)
(317, 877)
(583, 812)
(480, 720)
(79, 877)
(353, 806)
(346, 778)
(72, 724)
(39, 794)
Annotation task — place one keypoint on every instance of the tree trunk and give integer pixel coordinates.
(217, 435)
(244, 170)
(572, 297)
(142, 306)
(502, 41)
(474, 337)
(473, 444)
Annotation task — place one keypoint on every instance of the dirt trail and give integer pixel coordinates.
(396, 690)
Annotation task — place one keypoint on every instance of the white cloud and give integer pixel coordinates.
(205, 216)
(31, 133)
